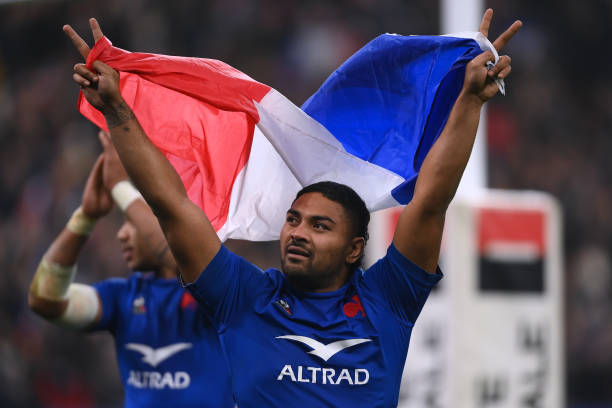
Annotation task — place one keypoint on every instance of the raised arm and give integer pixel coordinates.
(419, 230)
(190, 235)
(131, 202)
(52, 293)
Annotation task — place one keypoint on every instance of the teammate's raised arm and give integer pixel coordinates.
(190, 235)
(135, 209)
(419, 231)
(52, 293)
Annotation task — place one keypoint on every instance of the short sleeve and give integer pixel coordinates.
(402, 284)
(226, 287)
(109, 291)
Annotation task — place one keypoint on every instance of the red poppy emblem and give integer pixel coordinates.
(187, 301)
(352, 308)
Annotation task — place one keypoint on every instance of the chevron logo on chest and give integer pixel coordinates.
(325, 351)
(154, 357)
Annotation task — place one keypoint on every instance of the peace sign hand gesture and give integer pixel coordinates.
(101, 86)
(479, 80)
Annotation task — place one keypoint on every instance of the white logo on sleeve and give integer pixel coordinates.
(325, 351)
(158, 380)
(153, 356)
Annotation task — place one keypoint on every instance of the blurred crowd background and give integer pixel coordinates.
(551, 133)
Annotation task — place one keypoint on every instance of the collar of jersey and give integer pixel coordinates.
(150, 275)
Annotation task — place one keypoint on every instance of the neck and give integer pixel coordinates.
(167, 266)
(322, 285)
(166, 272)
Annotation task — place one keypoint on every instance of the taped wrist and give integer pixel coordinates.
(124, 194)
(80, 223)
(52, 280)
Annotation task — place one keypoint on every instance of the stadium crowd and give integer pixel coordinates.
(551, 133)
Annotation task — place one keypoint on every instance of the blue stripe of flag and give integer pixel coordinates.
(388, 103)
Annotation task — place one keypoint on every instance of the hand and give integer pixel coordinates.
(479, 80)
(101, 86)
(113, 171)
(97, 201)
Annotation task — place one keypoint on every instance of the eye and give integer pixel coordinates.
(320, 226)
(291, 219)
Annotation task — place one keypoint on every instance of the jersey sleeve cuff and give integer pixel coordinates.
(216, 264)
(418, 273)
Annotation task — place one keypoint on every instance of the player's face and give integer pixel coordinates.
(139, 249)
(316, 243)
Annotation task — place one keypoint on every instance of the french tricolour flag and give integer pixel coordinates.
(243, 150)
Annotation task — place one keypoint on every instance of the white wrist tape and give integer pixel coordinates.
(124, 194)
(79, 223)
(52, 280)
(82, 309)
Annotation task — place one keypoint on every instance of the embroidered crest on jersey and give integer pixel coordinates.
(283, 304)
(138, 307)
(187, 301)
(353, 307)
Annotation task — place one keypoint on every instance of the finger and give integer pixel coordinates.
(485, 23)
(505, 72)
(97, 168)
(482, 58)
(82, 82)
(102, 68)
(99, 172)
(507, 35)
(503, 62)
(82, 70)
(96, 172)
(95, 29)
(104, 139)
(78, 42)
(99, 161)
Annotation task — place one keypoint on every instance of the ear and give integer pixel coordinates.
(355, 250)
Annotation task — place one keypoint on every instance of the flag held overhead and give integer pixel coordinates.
(243, 150)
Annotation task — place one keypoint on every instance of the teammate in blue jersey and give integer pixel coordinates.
(321, 332)
(168, 352)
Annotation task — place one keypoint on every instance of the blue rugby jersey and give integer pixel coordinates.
(168, 352)
(288, 348)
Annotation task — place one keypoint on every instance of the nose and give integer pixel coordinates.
(297, 234)
(122, 234)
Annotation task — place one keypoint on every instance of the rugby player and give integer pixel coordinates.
(321, 332)
(168, 353)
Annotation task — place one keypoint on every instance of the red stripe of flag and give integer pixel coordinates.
(198, 112)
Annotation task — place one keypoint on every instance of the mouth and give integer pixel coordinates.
(127, 254)
(297, 252)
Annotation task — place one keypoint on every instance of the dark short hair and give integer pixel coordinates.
(356, 209)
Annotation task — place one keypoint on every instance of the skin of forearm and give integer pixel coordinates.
(148, 168)
(65, 248)
(63, 251)
(443, 167)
